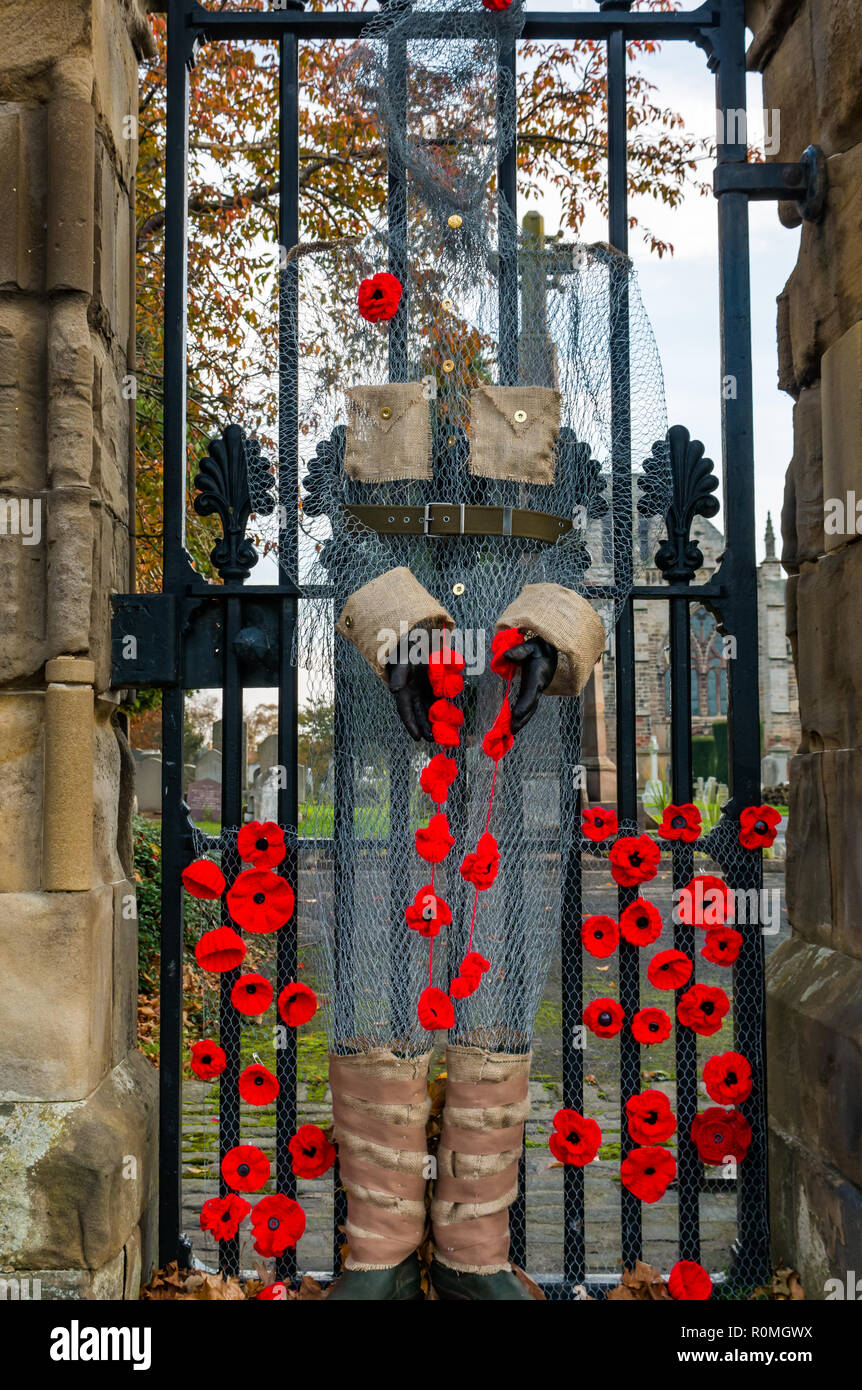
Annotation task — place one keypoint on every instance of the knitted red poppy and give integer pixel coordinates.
(428, 913)
(276, 1293)
(501, 642)
(758, 826)
(598, 824)
(705, 901)
(437, 777)
(688, 1281)
(722, 946)
(727, 1078)
(261, 844)
(203, 879)
(257, 1085)
(702, 1008)
(680, 823)
(446, 719)
(474, 964)
(221, 1216)
(297, 1003)
(378, 297)
(601, 936)
(604, 1017)
(650, 1118)
(480, 866)
(462, 986)
(576, 1138)
(496, 4)
(720, 1134)
(220, 949)
(499, 738)
(648, 1172)
(650, 1026)
(435, 1009)
(446, 672)
(634, 859)
(208, 1059)
(277, 1223)
(434, 841)
(245, 1168)
(311, 1153)
(260, 901)
(251, 994)
(669, 970)
(640, 923)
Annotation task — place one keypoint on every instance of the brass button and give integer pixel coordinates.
(448, 365)
(386, 413)
(446, 303)
(520, 416)
(348, 621)
(458, 589)
(451, 440)
(454, 221)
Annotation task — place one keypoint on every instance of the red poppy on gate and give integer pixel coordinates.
(221, 1216)
(640, 923)
(634, 859)
(446, 672)
(378, 297)
(446, 719)
(704, 902)
(260, 901)
(758, 826)
(688, 1281)
(499, 738)
(480, 866)
(669, 970)
(277, 1223)
(427, 913)
(434, 1009)
(245, 1168)
(251, 994)
(474, 963)
(437, 777)
(648, 1172)
(650, 1026)
(297, 1003)
(720, 1134)
(311, 1153)
(496, 4)
(462, 986)
(208, 1059)
(257, 1085)
(275, 1292)
(727, 1078)
(702, 1008)
(650, 1118)
(261, 844)
(576, 1138)
(220, 949)
(501, 642)
(680, 823)
(433, 841)
(203, 879)
(598, 824)
(604, 1017)
(722, 946)
(600, 936)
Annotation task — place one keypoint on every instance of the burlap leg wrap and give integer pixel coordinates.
(487, 1101)
(380, 1104)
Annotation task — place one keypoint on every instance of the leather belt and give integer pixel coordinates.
(460, 519)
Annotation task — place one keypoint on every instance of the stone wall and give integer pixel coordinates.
(810, 54)
(77, 1101)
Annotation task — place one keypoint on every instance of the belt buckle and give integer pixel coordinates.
(452, 506)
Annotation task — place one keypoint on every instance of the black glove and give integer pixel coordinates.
(409, 683)
(538, 662)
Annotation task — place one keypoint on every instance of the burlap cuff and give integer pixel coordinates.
(565, 620)
(392, 604)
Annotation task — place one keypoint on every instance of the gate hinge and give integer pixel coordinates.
(803, 184)
(144, 647)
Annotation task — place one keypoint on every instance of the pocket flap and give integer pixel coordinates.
(524, 407)
(384, 407)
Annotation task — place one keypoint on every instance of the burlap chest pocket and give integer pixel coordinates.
(388, 433)
(513, 432)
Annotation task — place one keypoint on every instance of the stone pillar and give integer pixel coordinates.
(811, 59)
(77, 1101)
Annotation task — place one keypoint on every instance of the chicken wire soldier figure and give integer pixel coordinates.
(477, 406)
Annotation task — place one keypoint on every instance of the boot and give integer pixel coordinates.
(487, 1101)
(380, 1105)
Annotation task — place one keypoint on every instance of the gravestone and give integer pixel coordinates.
(148, 785)
(204, 799)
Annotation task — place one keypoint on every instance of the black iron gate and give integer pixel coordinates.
(235, 636)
